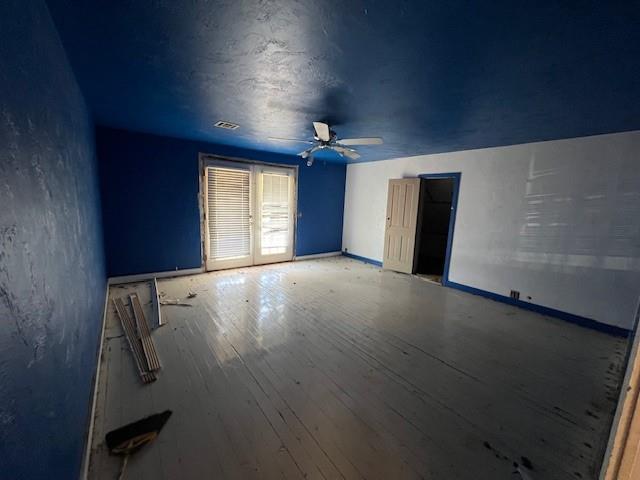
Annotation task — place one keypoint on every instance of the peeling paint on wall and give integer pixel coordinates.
(52, 278)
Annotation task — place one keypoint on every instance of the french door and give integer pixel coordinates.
(249, 214)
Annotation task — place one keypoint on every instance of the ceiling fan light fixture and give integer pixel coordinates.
(325, 138)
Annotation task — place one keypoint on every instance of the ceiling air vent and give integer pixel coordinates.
(226, 125)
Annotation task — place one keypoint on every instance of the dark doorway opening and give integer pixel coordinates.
(434, 216)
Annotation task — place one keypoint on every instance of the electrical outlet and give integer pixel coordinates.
(515, 294)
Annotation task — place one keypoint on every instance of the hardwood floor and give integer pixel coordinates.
(332, 368)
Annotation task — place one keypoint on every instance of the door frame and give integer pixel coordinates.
(456, 176)
(622, 456)
(204, 160)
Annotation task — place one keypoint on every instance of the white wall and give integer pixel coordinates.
(559, 221)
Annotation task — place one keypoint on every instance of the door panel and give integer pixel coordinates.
(402, 215)
(228, 217)
(275, 215)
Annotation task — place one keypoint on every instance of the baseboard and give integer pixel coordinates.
(363, 259)
(148, 276)
(550, 312)
(84, 472)
(317, 255)
(193, 271)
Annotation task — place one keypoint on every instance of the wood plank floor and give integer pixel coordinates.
(331, 368)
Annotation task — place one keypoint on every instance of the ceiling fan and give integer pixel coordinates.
(325, 138)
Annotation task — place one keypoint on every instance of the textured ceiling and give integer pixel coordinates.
(427, 76)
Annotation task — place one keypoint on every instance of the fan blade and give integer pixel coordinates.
(351, 154)
(277, 139)
(361, 141)
(322, 131)
(306, 153)
(347, 152)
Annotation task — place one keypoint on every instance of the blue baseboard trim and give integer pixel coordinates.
(362, 259)
(551, 312)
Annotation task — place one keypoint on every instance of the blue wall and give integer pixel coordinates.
(52, 277)
(150, 200)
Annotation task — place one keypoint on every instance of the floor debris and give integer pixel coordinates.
(175, 301)
(155, 303)
(523, 473)
(133, 339)
(129, 439)
(148, 347)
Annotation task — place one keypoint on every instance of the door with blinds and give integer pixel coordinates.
(274, 215)
(249, 214)
(228, 215)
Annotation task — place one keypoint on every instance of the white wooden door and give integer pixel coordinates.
(275, 210)
(228, 215)
(402, 216)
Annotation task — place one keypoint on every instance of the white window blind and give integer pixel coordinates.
(274, 214)
(228, 200)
